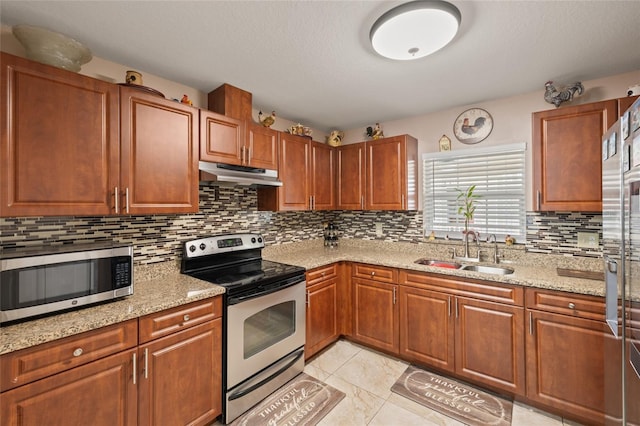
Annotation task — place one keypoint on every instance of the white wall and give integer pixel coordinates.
(511, 118)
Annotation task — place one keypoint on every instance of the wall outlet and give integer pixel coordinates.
(378, 229)
(588, 239)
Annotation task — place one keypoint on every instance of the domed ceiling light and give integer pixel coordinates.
(414, 30)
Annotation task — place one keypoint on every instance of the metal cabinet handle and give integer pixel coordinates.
(78, 352)
(362, 202)
(402, 203)
(116, 196)
(449, 306)
(308, 300)
(538, 199)
(530, 323)
(394, 294)
(146, 363)
(457, 313)
(186, 317)
(572, 305)
(135, 368)
(373, 273)
(249, 155)
(126, 197)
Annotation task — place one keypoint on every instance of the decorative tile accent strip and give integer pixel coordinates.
(557, 232)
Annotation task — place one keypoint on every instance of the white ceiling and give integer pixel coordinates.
(311, 61)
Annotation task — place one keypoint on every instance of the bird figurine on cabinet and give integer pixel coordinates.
(556, 97)
(335, 137)
(375, 132)
(185, 100)
(267, 120)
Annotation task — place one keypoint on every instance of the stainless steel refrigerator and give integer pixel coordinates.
(621, 254)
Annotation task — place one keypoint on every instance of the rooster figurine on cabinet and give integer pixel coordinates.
(556, 97)
(267, 120)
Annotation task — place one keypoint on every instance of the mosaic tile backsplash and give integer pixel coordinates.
(159, 238)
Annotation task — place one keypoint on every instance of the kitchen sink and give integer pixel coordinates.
(439, 263)
(496, 270)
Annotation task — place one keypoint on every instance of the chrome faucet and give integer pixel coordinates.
(496, 257)
(466, 242)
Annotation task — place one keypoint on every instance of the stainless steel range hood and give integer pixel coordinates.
(238, 175)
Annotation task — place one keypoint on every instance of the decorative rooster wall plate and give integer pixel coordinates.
(473, 126)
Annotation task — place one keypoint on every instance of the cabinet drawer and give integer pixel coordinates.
(578, 305)
(179, 318)
(375, 273)
(37, 362)
(322, 273)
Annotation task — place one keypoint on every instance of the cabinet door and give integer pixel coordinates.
(386, 174)
(427, 327)
(180, 377)
(221, 138)
(350, 177)
(59, 147)
(294, 173)
(262, 147)
(567, 156)
(375, 314)
(322, 316)
(565, 360)
(101, 393)
(323, 169)
(490, 344)
(159, 163)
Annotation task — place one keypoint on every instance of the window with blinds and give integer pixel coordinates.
(499, 176)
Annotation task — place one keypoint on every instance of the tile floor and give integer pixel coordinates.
(366, 377)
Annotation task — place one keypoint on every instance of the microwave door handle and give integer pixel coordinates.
(611, 295)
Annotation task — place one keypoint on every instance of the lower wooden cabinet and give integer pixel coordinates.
(102, 378)
(427, 327)
(101, 393)
(322, 316)
(375, 313)
(489, 343)
(475, 339)
(180, 377)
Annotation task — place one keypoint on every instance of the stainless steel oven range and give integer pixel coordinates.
(264, 320)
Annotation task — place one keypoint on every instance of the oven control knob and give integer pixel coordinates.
(259, 239)
(192, 248)
(253, 240)
(202, 246)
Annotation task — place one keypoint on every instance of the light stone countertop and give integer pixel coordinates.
(156, 287)
(530, 270)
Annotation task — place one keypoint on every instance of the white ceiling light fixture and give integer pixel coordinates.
(414, 30)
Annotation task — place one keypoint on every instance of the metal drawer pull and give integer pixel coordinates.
(146, 363)
(78, 352)
(394, 295)
(116, 196)
(572, 305)
(373, 273)
(449, 305)
(186, 317)
(135, 368)
(530, 323)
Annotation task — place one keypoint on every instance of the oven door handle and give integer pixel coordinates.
(234, 300)
(242, 392)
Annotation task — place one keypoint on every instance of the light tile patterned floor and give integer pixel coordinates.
(366, 377)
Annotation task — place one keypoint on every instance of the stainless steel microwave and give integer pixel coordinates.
(34, 283)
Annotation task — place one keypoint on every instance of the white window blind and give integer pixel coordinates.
(499, 176)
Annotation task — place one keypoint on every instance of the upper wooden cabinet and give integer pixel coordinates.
(251, 144)
(60, 141)
(74, 145)
(221, 138)
(159, 154)
(378, 175)
(307, 174)
(567, 156)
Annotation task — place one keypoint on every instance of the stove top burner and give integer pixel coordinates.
(238, 267)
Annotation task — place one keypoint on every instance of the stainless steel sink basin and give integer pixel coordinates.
(496, 270)
(438, 263)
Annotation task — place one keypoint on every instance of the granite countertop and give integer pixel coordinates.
(156, 287)
(530, 270)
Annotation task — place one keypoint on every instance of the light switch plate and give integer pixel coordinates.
(588, 239)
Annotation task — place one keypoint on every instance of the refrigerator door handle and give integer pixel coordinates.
(611, 295)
